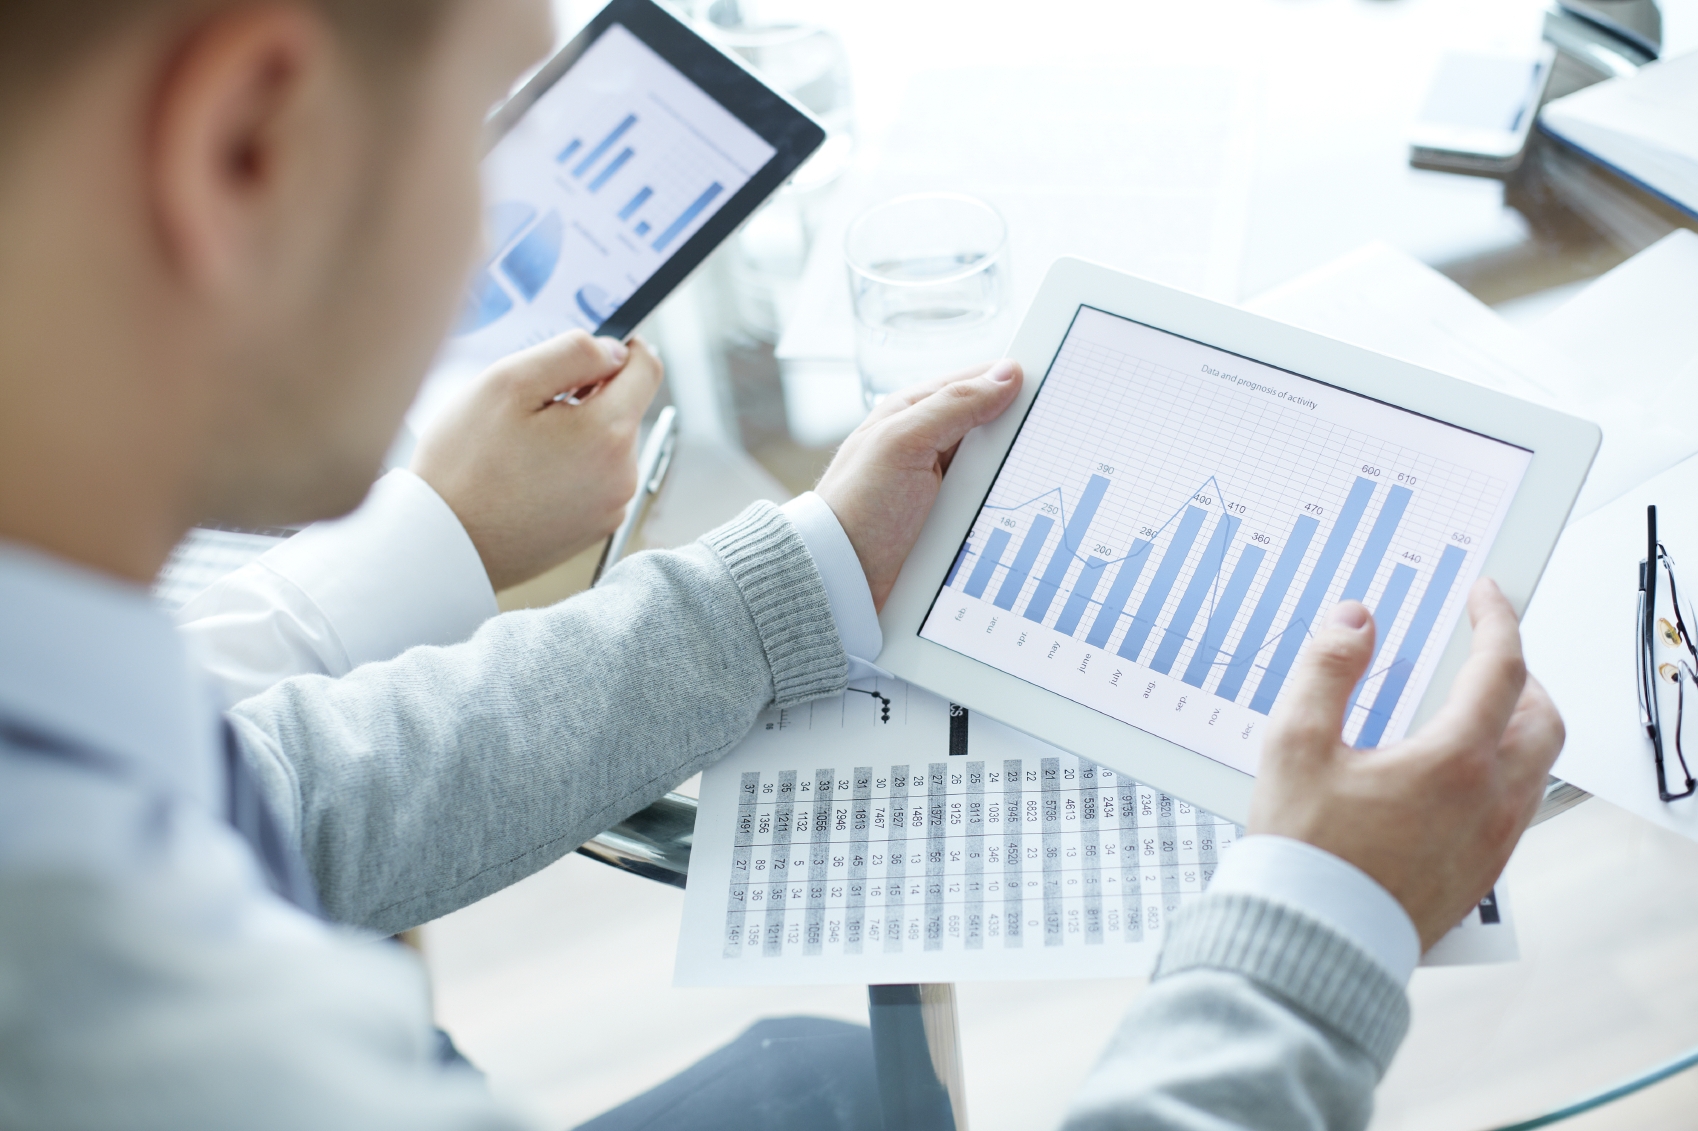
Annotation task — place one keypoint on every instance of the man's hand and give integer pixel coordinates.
(1432, 818)
(883, 480)
(533, 479)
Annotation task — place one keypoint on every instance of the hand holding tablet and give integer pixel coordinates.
(1129, 561)
(611, 175)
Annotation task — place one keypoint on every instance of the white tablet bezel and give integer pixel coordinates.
(1562, 447)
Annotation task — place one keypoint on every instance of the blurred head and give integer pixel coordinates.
(234, 232)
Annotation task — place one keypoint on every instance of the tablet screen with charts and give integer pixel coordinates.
(1172, 520)
(611, 175)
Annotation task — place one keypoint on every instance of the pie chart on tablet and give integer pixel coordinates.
(524, 251)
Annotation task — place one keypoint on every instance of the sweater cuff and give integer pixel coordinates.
(770, 563)
(1298, 959)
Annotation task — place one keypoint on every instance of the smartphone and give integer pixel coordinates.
(1479, 110)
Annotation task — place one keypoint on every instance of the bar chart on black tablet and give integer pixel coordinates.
(610, 172)
(1173, 522)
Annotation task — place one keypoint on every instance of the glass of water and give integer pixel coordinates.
(928, 277)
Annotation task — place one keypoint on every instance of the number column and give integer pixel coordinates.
(783, 813)
(1131, 856)
(860, 819)
(1090, 859)
(1013, 910)
(1050, 823)
(974, 882)
(819, 853)
(737, 905)
(937, 787)
(895, 859)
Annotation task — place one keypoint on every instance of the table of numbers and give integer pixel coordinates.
(958, 855)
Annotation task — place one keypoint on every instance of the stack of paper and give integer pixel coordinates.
(1643, 126)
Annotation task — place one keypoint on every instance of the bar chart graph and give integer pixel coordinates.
(1166, 535)
(614, 169)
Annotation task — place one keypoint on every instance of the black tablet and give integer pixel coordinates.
(612, 174)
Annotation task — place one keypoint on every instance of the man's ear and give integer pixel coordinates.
(229, 106)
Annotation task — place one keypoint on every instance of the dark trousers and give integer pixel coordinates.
(781, 1074)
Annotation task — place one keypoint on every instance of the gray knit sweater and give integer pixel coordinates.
(422, 784)
(425, 784)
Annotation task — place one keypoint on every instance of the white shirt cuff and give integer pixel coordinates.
(845, 581)
(1327, 888)
(398, 572)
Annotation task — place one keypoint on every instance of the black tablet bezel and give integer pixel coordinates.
(780, 122)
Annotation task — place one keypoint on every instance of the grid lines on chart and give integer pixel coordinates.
(1174, 436)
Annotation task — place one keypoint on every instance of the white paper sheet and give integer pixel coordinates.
(1386, 300)
(1579, 636)
(1632, 340)
(1622, 352)
(887, 836)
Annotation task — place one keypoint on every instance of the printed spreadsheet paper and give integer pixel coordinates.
(886, 836)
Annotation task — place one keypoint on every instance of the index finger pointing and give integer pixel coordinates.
(1489, 684)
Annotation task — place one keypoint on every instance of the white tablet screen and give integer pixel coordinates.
(1172, 519)
(602, 180)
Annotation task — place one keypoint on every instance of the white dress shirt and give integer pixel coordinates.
(402, 571)
(398, 572)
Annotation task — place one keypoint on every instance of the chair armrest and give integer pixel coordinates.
(653, 843)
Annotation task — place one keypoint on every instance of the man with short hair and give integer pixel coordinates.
(233, 233)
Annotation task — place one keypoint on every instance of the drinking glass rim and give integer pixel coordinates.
(965, 272)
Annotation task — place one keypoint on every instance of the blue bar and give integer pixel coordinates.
(1072, 537)
(636, 202)
(1127, 580)
(1397, 677)
(1314, 592)
(531, 262)
(1166, 574)
(1256, 632)
(566, 154)
(1385, 615)
(613, 167)
(1083, 590)
(1220, 621)
(961, 555)
(642, 227)
(1374, 550)
(605, 144)
(988, 561)
(690, 213)
(1202, 581)
(1029, 550)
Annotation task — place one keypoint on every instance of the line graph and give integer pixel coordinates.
(1164, 535)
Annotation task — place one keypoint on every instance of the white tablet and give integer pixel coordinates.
(1129, 561)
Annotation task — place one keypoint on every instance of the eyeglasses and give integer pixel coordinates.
(1655, 631)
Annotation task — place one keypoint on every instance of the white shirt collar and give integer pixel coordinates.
(93, 661)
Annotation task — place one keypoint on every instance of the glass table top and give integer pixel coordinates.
(1605, 905)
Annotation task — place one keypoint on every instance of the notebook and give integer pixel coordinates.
(1644, 127)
